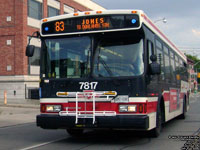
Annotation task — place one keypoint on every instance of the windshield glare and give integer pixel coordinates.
(67, 57)
(112, 57)
(119, 57)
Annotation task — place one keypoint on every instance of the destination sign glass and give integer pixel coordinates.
(90, 23)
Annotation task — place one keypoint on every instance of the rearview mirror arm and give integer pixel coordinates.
(35, 34)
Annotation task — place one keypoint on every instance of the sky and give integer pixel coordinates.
(183, 19)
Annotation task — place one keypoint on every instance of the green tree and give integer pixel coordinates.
(196, 61)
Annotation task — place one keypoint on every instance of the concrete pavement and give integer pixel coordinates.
(18, 113)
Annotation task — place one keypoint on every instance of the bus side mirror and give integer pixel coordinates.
(154, 66)
(30, 50)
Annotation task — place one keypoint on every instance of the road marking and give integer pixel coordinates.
(43, 144)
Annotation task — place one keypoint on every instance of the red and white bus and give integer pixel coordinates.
(109, 69)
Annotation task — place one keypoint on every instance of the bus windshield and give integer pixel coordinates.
(72, 57)
(116, 57)
(66, 57)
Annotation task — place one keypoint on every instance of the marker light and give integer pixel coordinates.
(98, 12)
(75, 14)
(133, 12)
(44, 20)
(133, 21)
(46, 28)
(87, 13)
(152, 94)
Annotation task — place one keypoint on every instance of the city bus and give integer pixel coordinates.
(111, 69)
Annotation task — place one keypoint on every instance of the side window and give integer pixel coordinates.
(158, 44)
(186, 72)
(167, 64)
(177, 69)
(160, 59)
(183, 70)
(172, 66)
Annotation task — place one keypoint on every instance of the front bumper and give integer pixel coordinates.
(136, 122)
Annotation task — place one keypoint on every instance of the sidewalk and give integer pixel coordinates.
(18, 113)
(197, 94)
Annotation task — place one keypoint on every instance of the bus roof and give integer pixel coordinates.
(144, 19)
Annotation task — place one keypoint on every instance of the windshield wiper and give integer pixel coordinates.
(84, 68)
(117, 83)
(105, 66)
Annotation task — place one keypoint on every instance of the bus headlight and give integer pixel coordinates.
(127, 108)
(53, 108)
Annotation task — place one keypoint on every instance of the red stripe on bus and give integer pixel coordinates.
(151, 107)
(166, 96)
(148, 107)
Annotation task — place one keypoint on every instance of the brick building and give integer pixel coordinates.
(18, 20)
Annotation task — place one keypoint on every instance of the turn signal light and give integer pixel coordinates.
(140, 108)
(42, 108)
(110, 93)
(61, 93)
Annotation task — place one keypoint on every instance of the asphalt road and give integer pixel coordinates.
(173, 137)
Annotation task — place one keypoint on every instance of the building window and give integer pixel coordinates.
(35, 9)
(68, 9)
(53, 11)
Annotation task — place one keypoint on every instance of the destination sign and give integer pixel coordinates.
(90, 23)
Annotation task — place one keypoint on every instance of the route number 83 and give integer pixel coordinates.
(88, 85)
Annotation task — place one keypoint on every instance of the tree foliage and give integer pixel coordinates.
(196, 61)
